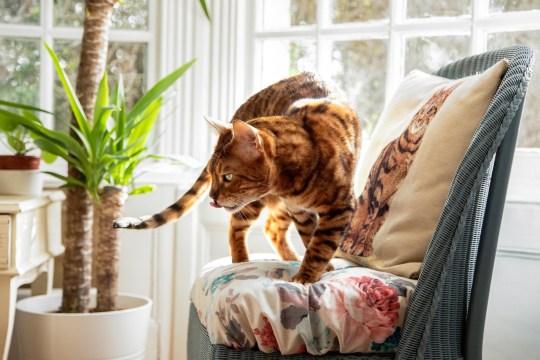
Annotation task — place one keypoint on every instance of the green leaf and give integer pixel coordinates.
(7, 124)
(118, 100)
(157, 90)
(102, 97)
(23, 106)
(16, 144)
(74, 103)
(205, 9)
(141, 130)
(66, 179)
(55, 150)
(48, 157)
(143, 189)
(30, 115)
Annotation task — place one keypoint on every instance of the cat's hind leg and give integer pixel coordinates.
(277, 224)
(240, 223)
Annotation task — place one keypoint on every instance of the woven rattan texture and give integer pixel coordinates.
(434, 326)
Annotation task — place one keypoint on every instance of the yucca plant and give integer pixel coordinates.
(131, 130)
(106, 152)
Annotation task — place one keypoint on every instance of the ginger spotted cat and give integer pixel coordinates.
(291, 148)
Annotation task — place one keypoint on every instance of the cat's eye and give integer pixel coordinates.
(228, 177)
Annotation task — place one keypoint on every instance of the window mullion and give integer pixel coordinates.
(395, 64)
(480, 10)
(323, 53)
(46, 78)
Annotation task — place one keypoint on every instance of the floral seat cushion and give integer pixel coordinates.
(351, 309)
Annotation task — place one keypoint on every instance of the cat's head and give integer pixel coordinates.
(240, 166)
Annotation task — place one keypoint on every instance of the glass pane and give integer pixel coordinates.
(345, 11)
(359, 69)
(286, 13)
(131, 14)
(529, 131)
(283, 58)
(19, 70)
(430, 53)
(423, 9)
(128, 59)
(19, 11)
(513, 5)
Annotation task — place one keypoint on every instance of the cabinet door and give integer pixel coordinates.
(5, 241)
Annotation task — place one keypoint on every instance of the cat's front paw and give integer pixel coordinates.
(305, 278)
(127, 223)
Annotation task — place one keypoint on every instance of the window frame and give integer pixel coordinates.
(46, 31)
(396, 30)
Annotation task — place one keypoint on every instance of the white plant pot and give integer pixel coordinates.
(21, 182)
(42, 334)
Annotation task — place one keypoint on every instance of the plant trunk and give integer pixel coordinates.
(93, 60)
(112, 200)
(78, 254)
(79, 214)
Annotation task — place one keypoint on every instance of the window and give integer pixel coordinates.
(26, 69)
(367, 47)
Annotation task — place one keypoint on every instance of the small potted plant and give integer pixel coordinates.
(19, 171)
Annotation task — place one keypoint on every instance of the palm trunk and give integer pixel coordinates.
(112, 200)
(78, 254)
(78, 234)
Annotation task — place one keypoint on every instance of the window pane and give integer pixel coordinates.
(132, 14)
(529, 132)
(19, 11)
(359, 69)
(19, 70)
(345, 11)
(128, 59)
(287, 13)
(430, 53)
(283, 58)
(513, 5)
(423, 9)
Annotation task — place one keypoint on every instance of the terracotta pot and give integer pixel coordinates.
(19, 162)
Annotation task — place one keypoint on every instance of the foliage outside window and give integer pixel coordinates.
(24, 26)
(366, 47)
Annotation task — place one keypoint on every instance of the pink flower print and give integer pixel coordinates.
(267, 338)
(365, 310)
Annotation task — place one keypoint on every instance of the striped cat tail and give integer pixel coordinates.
(173, 212)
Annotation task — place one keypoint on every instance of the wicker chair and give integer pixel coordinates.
(445, 318)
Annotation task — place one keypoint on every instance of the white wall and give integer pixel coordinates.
(513, 317)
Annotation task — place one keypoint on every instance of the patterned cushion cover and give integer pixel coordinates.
(409, 166)
(351, 309)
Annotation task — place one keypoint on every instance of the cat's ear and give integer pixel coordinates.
(218, 126)
(247, 135)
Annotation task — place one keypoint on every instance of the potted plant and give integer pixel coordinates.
(19, 171)
(106, 151)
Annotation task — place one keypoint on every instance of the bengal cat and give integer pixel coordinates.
(290, 148)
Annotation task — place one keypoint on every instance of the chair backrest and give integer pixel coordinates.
(446, 315)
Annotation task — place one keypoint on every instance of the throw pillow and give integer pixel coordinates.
(409, 167)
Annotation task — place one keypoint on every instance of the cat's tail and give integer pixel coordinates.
(173, 212)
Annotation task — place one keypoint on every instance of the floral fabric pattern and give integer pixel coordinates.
(351, 309)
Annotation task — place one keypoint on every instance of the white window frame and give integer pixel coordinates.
(396, 30)
(46, 31)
